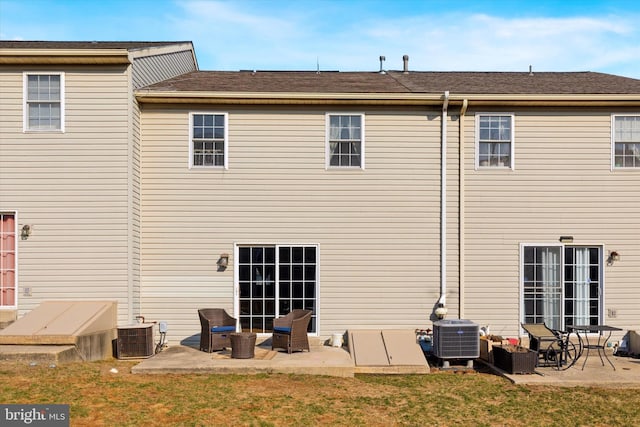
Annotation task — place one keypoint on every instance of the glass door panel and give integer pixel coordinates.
(272, 281)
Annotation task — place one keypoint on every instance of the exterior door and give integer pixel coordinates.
(7, 260)
(273, 280)
(562, 285)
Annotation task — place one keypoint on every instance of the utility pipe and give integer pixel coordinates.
(442, 302)
(461, 213)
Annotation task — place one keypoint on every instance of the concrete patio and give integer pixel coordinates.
(321, 360)
(626, 374)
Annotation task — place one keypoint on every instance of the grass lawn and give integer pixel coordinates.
(98, 397)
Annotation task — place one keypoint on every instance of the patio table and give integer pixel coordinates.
(243, 345)
(600, 346)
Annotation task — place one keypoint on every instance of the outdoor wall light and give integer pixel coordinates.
(25, 232)
(613, 257)
(566, 239)
(223, 261)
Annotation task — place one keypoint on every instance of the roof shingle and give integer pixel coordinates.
(563, 83)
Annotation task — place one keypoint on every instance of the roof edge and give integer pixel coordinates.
(164, 97)
(63, 56)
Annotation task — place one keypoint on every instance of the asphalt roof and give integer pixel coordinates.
(519, 83)
(400, 82)
(282, 81)
(130, 45)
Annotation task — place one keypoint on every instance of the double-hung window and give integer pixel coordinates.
(208, 140)
(626, 141)
(345, 141)
(562, 285)
(494, 141)
(43, 102)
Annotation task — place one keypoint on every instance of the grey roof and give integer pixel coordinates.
(130, 45)
(564, 83)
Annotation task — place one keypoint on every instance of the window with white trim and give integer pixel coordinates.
(43, 101)
(494, 141)
(626, 141)
(345, 141)
(208, 140)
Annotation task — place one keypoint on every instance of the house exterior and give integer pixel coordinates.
(371, 198)
(70, 168)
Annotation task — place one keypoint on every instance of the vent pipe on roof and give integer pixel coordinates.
(382, 59)
(405, 62)
(530, 70)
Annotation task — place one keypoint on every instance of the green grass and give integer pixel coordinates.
(98, 397)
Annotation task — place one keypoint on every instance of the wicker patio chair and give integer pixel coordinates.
(217, 327)
(290, 331)
(553, 346)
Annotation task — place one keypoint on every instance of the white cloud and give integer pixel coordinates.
(258, 36)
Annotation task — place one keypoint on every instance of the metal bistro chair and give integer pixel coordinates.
(553, 346)
(216, 328)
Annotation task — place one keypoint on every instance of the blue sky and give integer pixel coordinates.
(348, 35)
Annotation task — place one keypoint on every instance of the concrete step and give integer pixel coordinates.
(39, 353)
(5, 324)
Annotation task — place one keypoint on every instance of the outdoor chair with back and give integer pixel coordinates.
(217, 327)
(553, 346)
(290, 331)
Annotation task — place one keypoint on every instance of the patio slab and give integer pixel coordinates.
(321, 360)
(626, 374)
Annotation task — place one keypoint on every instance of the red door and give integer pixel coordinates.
(7, 260)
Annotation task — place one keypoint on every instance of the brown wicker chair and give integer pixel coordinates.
(290, 331)
(217, 327)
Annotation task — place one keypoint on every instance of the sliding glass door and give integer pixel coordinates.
(562, 285)
(272, 281)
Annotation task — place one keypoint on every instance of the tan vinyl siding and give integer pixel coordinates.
(562, 185)
(71, 187)
(135, 211)
(377, 229)
(155, 68)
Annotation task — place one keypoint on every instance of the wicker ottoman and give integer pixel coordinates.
(243, 345)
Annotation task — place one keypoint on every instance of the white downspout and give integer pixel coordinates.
(441, 309)
(461, 211)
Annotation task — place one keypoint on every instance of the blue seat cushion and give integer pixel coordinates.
(223, 329)
(282, 329)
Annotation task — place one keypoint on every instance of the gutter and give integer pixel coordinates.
(441, 309)
(64, 56)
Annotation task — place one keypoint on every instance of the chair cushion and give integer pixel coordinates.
(223, 329)
(282, 329)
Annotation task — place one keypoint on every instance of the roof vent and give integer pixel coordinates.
(530, 70)
(382, 59)
(405, 62)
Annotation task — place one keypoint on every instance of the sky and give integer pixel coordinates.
(351, 35)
